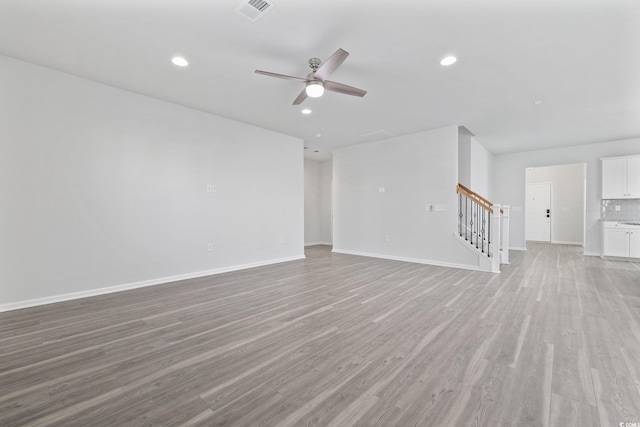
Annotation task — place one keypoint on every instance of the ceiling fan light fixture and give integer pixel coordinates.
(314, 89)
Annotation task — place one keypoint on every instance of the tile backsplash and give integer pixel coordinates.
(629, 210)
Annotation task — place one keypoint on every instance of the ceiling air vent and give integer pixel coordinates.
(377, 135)
(254, 9)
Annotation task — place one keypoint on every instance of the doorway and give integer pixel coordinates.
(538, 212)
(567, 204)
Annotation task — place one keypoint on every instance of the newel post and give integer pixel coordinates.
(495, 239)
(504, 244)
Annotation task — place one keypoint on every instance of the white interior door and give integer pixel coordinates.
(538, 212)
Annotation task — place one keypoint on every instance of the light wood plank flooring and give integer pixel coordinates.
(339, 340)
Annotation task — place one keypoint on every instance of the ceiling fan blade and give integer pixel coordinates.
(340, 88)
(331, 64)
(303, 95)
(281, 76)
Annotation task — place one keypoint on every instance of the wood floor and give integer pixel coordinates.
(554, 340)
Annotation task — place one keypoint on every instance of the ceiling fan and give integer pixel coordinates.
(316, 81)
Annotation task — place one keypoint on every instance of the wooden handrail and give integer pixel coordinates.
(484, 203)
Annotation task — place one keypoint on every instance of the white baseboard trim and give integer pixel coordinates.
(412, 260)
(517, 248)
(591, 253)
(128, 286)
(560, 242)
(318, 243)
(620, 258)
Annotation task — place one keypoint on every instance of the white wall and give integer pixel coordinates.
(311, 202)
(104, 188)
(481, 170)
(415, 171)
(567, 200)
(475, 164)
(464, 157)
(326, 212)
(317, 202)
(509, 182)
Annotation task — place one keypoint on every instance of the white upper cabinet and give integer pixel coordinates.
(614, 178)
(621, 178)
(633, 177)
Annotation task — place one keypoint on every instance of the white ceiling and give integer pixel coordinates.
(581, 58)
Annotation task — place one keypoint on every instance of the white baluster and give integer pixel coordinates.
(504, 245)
(495, 239)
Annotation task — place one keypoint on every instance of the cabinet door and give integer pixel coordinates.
(633, 177)
(614, 178)
(634, 243)
(616, 242)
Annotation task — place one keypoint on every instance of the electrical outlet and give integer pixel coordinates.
(386, 238)
(211, 188)
(209, 247)
(381, 190)
(617, 208)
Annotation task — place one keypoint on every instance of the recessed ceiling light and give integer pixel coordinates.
(448, 60)
(538, 102)
(306, 111)
(179, 61)
(318, 135)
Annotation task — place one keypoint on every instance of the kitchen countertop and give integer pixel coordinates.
(623, 223)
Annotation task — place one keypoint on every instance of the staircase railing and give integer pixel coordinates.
(479, 223)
